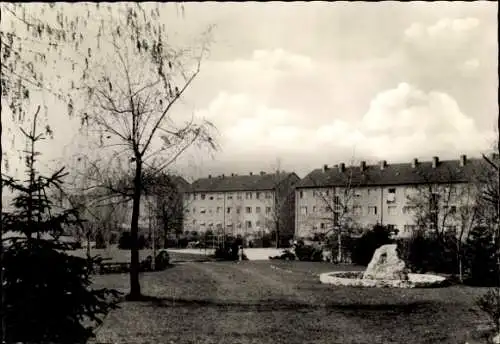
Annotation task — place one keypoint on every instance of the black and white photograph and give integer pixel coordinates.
(249, 172)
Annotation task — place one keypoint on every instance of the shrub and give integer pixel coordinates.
(308, 252)
(480, 258)
(162, 260)
(365, 246)
(490, 304)
(427, 253)
(125, 242)
(100, 242)
(229, 251)
(286, 255)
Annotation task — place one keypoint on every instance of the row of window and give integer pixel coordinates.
(372, 210)
(248, 224)
(355, 192)
(412, 228)
(229, 210)
(229, 196)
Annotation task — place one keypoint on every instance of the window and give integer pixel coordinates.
(194, 210)
(391, 210)
(238, 210)
(249, 224)
(210, 210)
(238, 225)
(303, 210)
(314, 209)
(203, 196)
(229, 196)
(268, 210)
(228, 210)
(257, 210)
(257, 195)
(219, 226)
(257, 224)
(327, 193)
(202, 224)
(239, 195)
(407, 209)
(391, 196)
(211, 198)
(322, 225)
(336, 202)
(372, 210)
(357, 210)
(301, 194)
(268, 195)
(391, 227)
(194, 222)
(248, 210)
(248, 195)
(219, 209)
(357, 194)
(203, 211)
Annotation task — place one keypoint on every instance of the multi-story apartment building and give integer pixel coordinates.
(434, 194)
(242, 204)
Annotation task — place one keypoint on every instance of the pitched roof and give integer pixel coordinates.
(254, 182)
(182, 184)
(394, 174)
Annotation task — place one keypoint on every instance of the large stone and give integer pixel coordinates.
(496, 339)
(386, 265)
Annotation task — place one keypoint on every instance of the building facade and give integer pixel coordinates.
(242, 204)
(433, 194)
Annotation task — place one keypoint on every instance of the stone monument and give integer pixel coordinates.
(386, 265)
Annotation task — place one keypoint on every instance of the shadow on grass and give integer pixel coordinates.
(288, 305)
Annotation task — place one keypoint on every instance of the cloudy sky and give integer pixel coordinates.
(308, 84)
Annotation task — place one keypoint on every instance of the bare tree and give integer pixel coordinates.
(130, 98)
(448, 208)
(280, 204)
(170, 203)
(337, 205)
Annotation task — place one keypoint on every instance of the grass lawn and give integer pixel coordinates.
(282, 302)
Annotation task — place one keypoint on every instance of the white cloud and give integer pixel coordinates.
(470, 66)
(406, 120)
(442, 29)
(400, 123)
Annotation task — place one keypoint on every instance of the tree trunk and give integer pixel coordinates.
(277, 235)
(339, 254)
(135, 287)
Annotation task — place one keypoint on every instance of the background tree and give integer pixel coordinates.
(170, 203)
(448, 210)
(336, 205)
(29, 287)
(279, 209)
